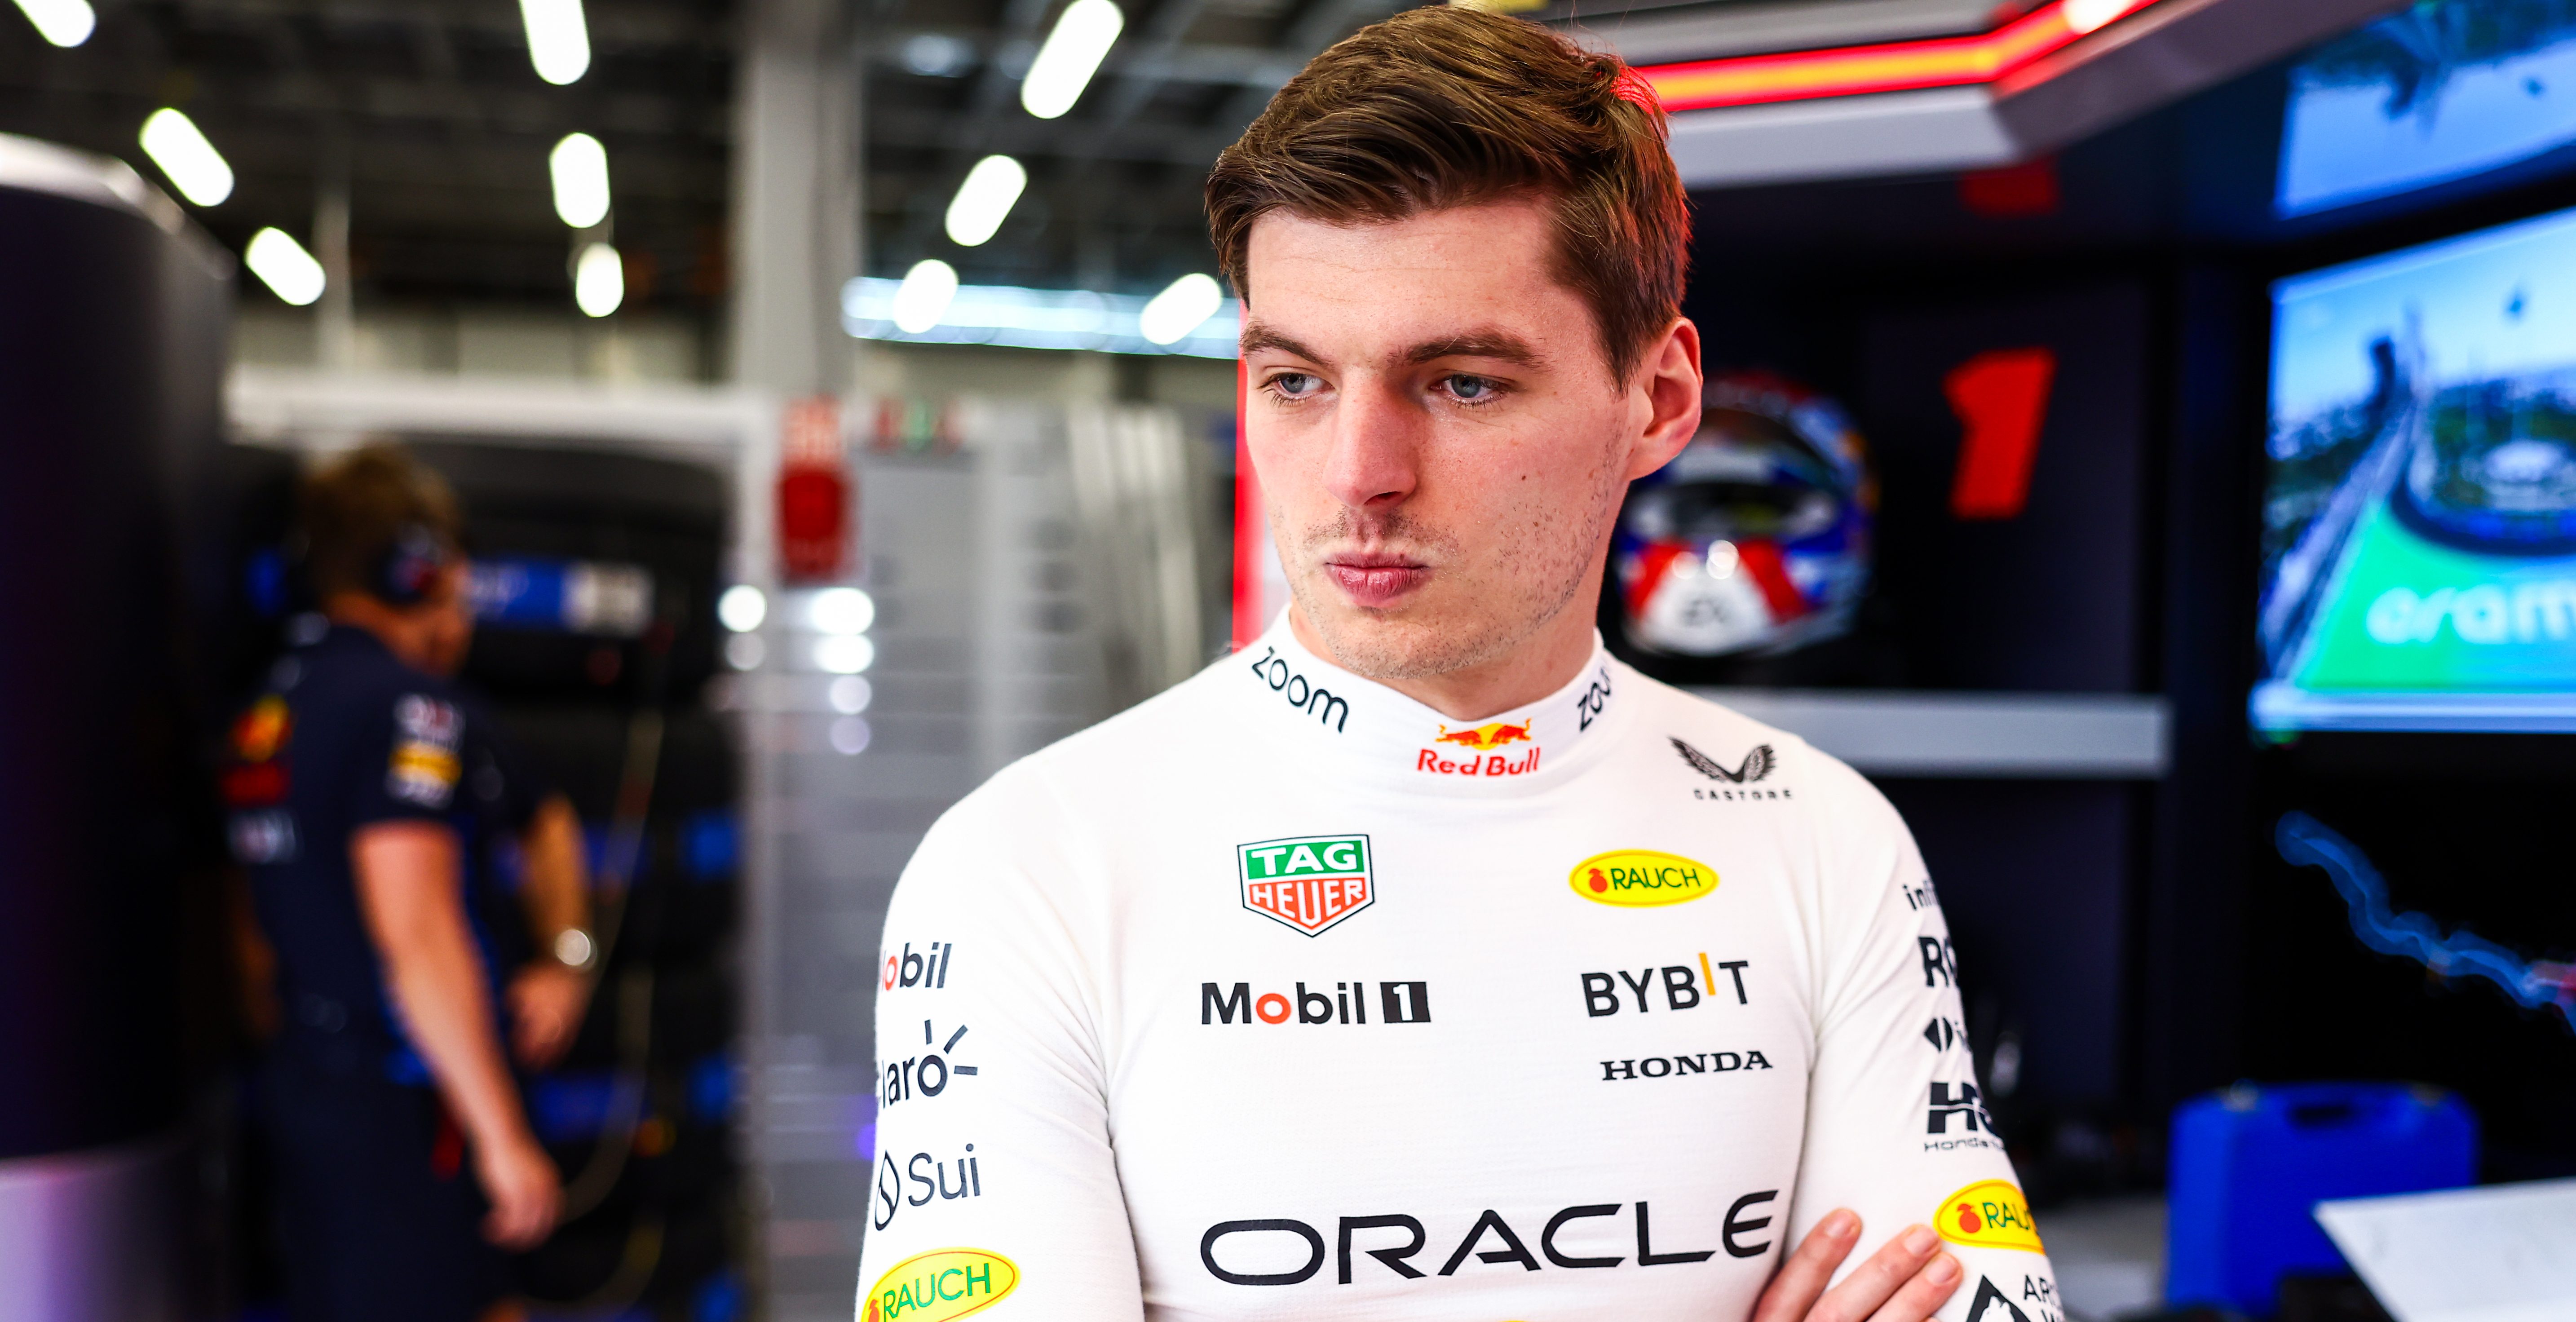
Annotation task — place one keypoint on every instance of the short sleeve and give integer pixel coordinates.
(995, 1181)
(1896, 1127)
(411, 760)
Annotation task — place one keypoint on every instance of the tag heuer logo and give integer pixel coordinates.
(1309, 882)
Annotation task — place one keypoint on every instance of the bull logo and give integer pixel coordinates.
(1492, 734)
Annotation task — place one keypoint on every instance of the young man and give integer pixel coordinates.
(1422, 961)
(361, 788)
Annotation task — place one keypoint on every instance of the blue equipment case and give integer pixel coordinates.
(2250, 1164)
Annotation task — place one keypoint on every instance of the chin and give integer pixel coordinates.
(1415, 640)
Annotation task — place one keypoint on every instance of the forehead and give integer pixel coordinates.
(1371, 290)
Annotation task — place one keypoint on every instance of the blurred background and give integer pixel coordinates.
(2142, 439)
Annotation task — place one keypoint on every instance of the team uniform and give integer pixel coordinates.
(1280, 996)
(380, 1219)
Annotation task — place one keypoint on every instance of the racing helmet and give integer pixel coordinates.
(1755, 539)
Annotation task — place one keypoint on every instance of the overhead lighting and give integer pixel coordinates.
(173, 142)
(580, 167)
(62, 22)
(2084, 16)
(1180, 308)
(558, 39)
(984, 200)
(282, 264)
(1034, 319)
(1896, 66)
(742, 607)
(598, 280)
(1083, 34)
(844, 653)
(923, 297)
(841, 610)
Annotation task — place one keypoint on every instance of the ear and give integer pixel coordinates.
(1667, 382)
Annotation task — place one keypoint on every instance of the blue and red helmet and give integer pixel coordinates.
(1755, 539)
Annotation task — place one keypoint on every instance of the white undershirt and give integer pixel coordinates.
(1216, 1009)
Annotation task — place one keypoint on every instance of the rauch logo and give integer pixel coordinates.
(1308, 882)
(941, 1284)
(1638, 878)
(1988, 1214)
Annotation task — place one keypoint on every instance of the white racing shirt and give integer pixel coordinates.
(1281, 996)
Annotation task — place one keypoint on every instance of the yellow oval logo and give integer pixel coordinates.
(941, 1284)
(1989, 1214)
(1636, 878)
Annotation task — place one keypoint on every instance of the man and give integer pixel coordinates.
(1422, 961)
(363, 789)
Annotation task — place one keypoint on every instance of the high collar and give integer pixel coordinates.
(1299, 705)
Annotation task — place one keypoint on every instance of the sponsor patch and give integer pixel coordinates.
(941, 1284)
(262, 730)
(1641, 878)
(1310, 883)
(916, 1182)
(924, 1075)
(1989, 1214)
(424, 768)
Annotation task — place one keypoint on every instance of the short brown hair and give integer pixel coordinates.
(1444, 107)
(353, 508)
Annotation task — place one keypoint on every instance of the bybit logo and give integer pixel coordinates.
(1680, 990)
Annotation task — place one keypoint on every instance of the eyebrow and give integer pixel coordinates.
(1488, 343)
(1476, 344)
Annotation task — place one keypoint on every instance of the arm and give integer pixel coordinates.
(410, 892)
(1895, 1127)
(992, 1134)
(547, 997)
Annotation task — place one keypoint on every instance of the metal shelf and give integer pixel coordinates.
(2035, 736)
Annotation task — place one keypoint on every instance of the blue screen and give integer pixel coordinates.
(2444, 91)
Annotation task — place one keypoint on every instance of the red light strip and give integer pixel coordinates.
(1890, 67)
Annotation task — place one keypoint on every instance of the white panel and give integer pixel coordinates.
(2000, 735)
(1849, 137)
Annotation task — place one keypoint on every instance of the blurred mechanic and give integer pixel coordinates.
(364, 792)
(1422, 960)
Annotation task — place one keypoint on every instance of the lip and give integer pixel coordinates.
(1375, 580)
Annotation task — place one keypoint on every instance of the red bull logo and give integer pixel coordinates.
(1481, 760)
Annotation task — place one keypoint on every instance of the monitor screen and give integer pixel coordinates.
(2419, 518)
(2445, 90)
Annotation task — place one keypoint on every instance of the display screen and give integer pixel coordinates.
(2419, 538)
(2446, 90)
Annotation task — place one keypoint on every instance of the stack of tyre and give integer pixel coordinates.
(605, 702)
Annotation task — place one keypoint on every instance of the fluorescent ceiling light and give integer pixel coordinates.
(558, 39)
(1083, 34)
(1033, 319)
(1180, 308)
(742, 607)
(282, 264)
(844, 653)
(984, 199)
(598, 280)
(580, 167)
(172, 141)
(841, 610)
(62, 22)
(923, 297)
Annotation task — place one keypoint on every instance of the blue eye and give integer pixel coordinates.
(1293, 384)
(1471, 388)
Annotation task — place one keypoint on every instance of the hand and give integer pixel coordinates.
(1902, 1282)
(525, 1192)
(546, 1004)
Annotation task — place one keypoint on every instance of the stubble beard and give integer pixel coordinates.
(1470, 624)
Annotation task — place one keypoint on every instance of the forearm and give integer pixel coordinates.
(553, 880)
(438, 988)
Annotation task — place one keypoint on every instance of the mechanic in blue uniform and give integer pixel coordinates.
(363, 792)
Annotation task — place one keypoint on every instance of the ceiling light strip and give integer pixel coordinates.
(1891, 67)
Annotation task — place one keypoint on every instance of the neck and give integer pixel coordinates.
(396, 629)
(1539, 665)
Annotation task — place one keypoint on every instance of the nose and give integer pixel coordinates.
(1375, 447)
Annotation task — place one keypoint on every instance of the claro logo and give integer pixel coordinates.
(1641, 878)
